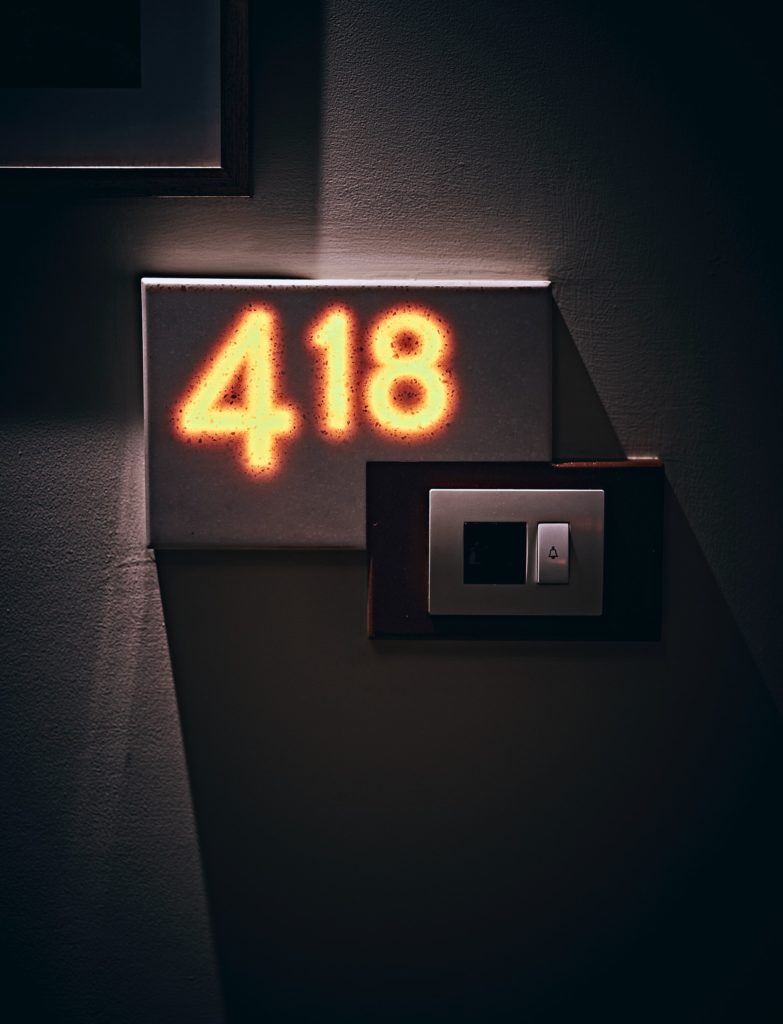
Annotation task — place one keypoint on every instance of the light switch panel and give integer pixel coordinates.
(472, 573)
(445, 558)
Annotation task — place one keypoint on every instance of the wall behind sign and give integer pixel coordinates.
(619, 158)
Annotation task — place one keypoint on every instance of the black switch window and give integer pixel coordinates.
(494, 552)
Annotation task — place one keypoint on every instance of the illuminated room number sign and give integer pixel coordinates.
(408, 392)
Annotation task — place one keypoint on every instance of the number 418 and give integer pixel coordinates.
(409, 390)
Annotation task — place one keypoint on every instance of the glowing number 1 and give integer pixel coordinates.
(333, 335)
(244, 367)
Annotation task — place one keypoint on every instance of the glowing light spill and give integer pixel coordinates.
(409, 393)
(245, 364)
(434, 392)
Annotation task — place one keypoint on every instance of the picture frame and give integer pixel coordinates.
(184, 132)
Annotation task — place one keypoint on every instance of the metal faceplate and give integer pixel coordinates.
(265, 399)
(582, 510)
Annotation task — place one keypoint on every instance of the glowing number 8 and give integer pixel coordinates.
(423, 367)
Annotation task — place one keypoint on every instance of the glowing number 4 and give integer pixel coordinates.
(407, 392)
(244, 366)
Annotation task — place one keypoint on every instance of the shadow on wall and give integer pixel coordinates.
(454, 831)
(581, 428)
(102, 901)
(70, 270)
(396, 831)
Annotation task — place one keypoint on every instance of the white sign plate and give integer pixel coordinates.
(264, 399)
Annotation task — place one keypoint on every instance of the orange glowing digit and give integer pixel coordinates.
(332, 334)
(235, 393)
(409, 392)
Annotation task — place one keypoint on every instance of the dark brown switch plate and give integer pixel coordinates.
(398, 548)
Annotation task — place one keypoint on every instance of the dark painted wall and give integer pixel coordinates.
(467, 832)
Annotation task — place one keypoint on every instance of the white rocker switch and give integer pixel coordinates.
(552, 550)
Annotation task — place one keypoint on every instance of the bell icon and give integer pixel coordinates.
(553, 552)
